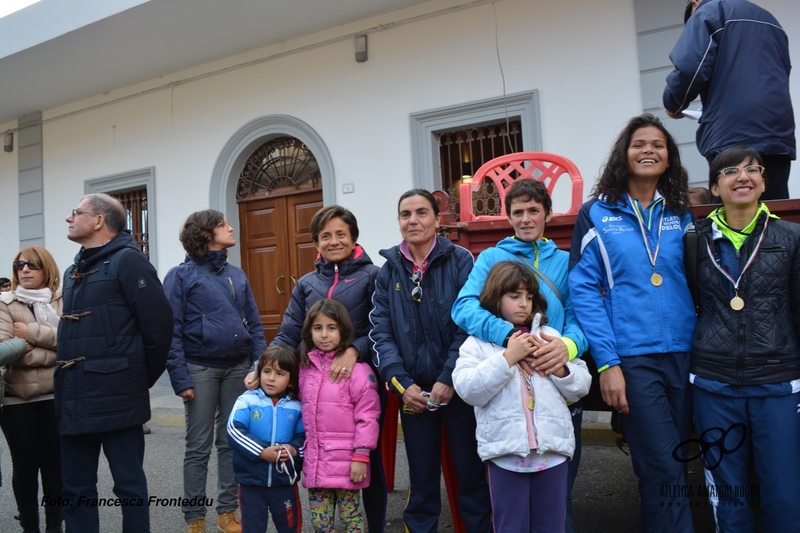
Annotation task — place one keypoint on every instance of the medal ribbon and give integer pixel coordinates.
(746, 266)
(650, 255)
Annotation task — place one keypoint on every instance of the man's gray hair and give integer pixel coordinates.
(114, 214)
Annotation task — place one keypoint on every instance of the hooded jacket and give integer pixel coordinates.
(349, 282)
(339, 418)
(759, 344)
(115, 330)
(396, 333)
(552, 262)
(735, 56)
(207, 330)
(256, 423)
(31, 375)
(484, 380)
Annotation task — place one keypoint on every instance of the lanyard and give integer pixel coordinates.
(656, 278)
(736, 303)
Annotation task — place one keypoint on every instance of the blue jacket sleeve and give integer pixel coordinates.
(176, 361)
(693, 56)
(387, 357)
(239, 436)
(362, 342)
(254, 325)
(586, 278)
(467, 312)
(145, 296)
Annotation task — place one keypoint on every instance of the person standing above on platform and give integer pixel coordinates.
(416, 347)
(735, 56)
(745, 364)
(113, 341)
(628, 286)
(528, 208)
(217, 334)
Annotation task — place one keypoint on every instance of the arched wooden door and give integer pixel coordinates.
(278, 193)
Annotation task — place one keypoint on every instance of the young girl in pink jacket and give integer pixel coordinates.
(341, 420)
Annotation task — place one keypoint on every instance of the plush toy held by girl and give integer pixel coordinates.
(524, 428)
(341, 420)
(266, 432)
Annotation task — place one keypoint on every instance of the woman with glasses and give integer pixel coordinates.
(32, 311)
(416, 345)
(745, 361)
(217, 335)
(628, 287)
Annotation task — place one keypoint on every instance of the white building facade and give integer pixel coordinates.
(574, 70)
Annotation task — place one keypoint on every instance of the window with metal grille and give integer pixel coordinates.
(135, 204)
(463, 151)
(281, 164)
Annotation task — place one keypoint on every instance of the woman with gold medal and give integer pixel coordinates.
(745, 362)
(628, 287)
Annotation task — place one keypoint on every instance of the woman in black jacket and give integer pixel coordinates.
(745, 361)
(344, 273)
(416, 346)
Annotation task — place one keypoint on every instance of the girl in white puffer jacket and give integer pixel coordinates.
(524, 428)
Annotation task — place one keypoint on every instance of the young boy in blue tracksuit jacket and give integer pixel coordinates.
(266, 432)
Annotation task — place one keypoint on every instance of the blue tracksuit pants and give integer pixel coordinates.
(729, 427)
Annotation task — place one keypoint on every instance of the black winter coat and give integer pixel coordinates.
(349, 282)
(116, 316)
(759, 344)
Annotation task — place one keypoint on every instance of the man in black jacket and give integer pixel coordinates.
(113, 341)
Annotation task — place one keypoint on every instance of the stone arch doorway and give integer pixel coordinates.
(269, 180)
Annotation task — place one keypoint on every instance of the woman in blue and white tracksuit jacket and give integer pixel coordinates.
(632, 300)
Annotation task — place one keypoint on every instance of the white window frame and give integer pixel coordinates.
(426, 125)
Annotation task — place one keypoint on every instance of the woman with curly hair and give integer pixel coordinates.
(217, 335)
(629, 291)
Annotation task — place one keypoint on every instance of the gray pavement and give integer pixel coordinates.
(605, 496)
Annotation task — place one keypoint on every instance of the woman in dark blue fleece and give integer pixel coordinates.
(217, 334)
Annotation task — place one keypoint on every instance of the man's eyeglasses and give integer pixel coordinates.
(733, 172)
(416, 293)
(76, 212)
(32, 265)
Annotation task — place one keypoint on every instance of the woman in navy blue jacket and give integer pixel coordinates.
(217, 335)
(416, 346)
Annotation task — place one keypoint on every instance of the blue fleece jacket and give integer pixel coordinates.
(552, 262)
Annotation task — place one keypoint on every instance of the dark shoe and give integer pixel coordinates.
(29, 521)
(146, 430)
(53, 518)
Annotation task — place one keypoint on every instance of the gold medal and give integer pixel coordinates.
(530, 403)
(737, 304)
(656, 279)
